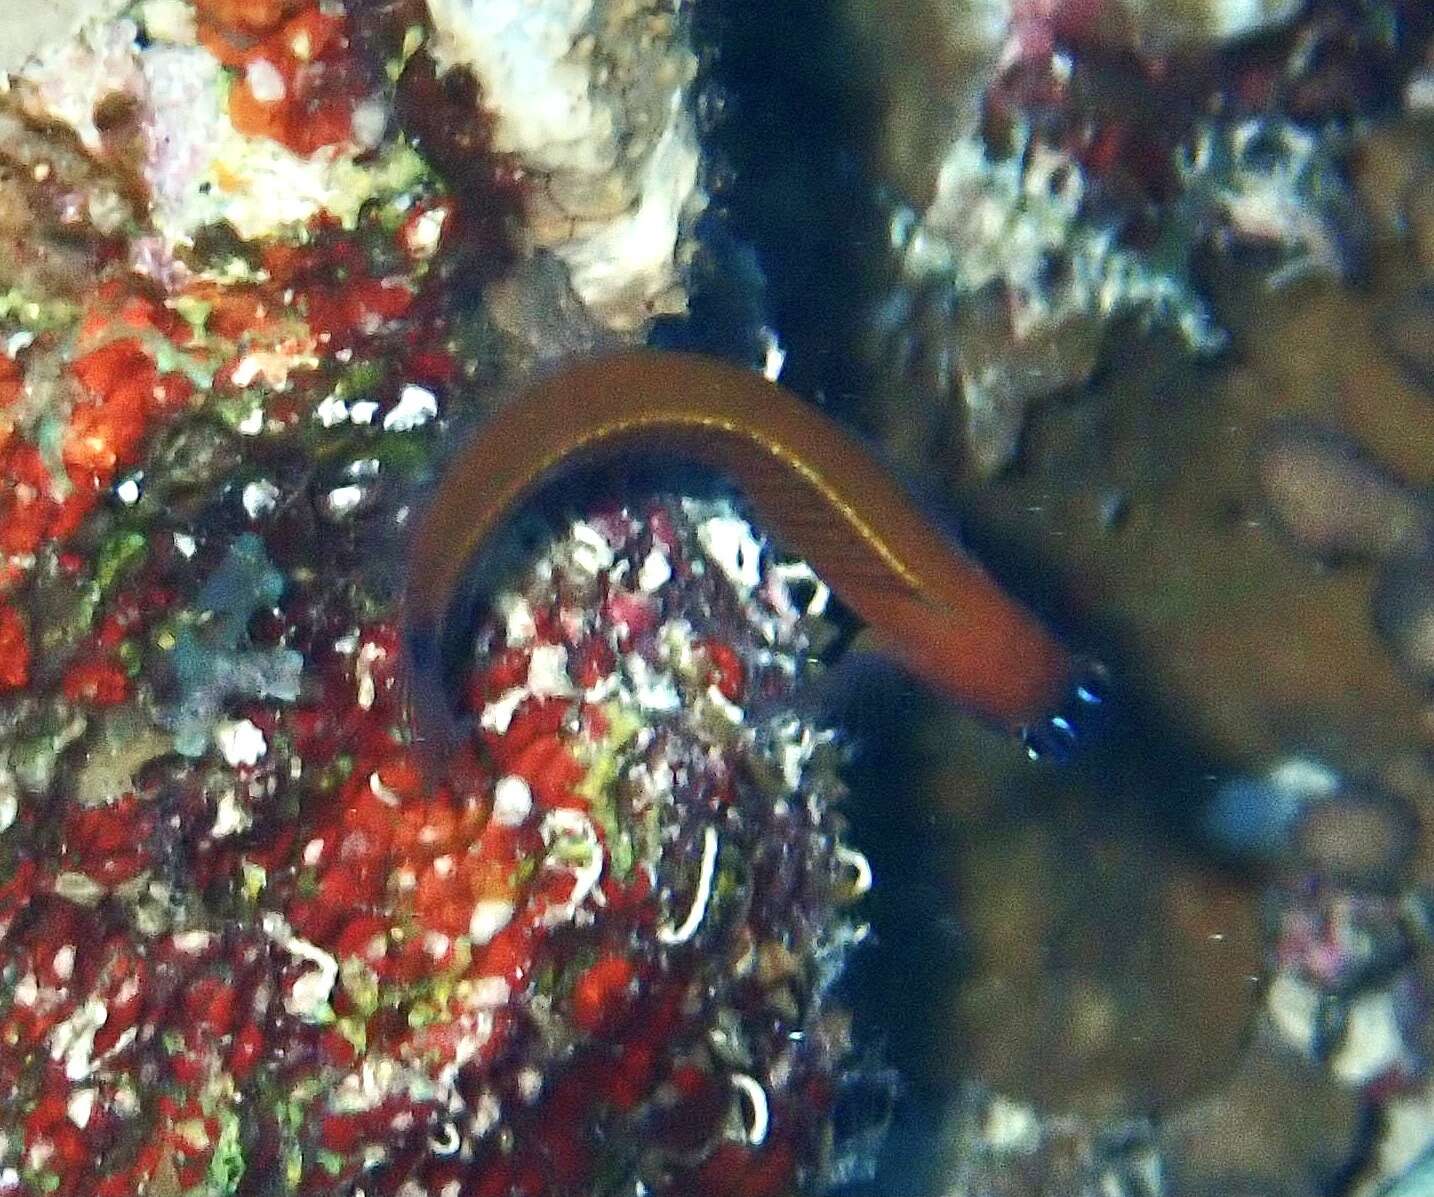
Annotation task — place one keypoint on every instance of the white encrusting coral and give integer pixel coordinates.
(1003, 218)
(591, 98)
(1032, 282)
(67, 80)
(199, 169)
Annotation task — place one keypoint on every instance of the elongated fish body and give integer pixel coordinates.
(812, 484)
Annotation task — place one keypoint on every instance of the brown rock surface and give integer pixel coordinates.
(1276, 1127)
(1104, 968)
(1066, 949)
(1142, 498)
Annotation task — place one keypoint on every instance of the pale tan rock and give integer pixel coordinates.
(929, 64)
(1277, 1126)
(591, 97)
(1175, 24)
(29, 27)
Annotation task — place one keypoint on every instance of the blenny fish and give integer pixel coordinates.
(935, 610)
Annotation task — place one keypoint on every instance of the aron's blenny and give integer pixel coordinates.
(812, 484)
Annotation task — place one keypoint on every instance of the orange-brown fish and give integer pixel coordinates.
(813, 485)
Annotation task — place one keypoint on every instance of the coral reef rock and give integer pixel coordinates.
(1024, 285)
(1170, 24)
(29, 27)
(590, 99)
(1276, 1127)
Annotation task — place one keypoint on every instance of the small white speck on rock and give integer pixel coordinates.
(415, 407)
(241, 742)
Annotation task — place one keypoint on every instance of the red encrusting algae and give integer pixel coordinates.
(243, 940)
(14, 649)
(414, 948)
(299, 83)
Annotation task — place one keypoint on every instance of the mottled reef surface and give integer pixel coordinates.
(1216, 917)
(1145, 319)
